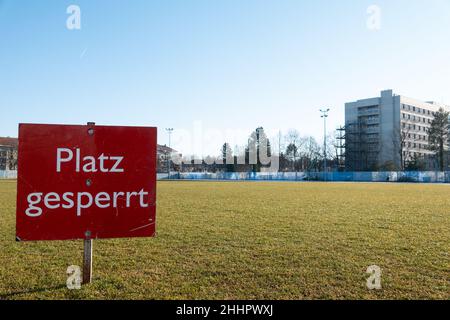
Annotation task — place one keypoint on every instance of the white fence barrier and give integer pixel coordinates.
(395, 176)
(400, 176)
(8, 174)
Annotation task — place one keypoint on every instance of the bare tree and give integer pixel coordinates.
(332, 147)
(401, 144)
(311, 153)
(293, 142)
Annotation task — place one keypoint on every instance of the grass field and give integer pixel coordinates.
(238, 240)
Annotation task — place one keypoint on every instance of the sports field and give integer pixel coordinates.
(252, 240)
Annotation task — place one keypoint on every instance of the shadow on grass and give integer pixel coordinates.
(37, 290)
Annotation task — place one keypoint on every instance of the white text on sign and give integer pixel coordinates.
(88, 163)
(38, 201)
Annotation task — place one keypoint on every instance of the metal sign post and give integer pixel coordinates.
(87, 259)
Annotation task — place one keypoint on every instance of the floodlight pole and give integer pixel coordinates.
(324, 116)
(169, 131)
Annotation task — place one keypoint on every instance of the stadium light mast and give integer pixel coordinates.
(169, 131)
(324, 116)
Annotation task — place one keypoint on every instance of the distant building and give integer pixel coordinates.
(385, 132)
(8, 153)
(163, 153)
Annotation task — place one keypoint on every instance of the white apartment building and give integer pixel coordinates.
(383, 132)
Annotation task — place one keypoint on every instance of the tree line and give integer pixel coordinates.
(300, 153)
(294, 151)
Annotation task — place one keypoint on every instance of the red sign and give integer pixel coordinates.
(85, 182)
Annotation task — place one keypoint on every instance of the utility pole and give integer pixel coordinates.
(169, 131)
(324, 116)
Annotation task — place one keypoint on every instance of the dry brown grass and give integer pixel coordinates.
(238, 240)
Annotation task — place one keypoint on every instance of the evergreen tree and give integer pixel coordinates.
(438, 135)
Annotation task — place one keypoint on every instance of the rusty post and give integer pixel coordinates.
(87, 259)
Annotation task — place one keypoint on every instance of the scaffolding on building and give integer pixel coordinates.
(341, 147)
(361, 152)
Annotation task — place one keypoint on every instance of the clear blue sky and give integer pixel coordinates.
(229, 64)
